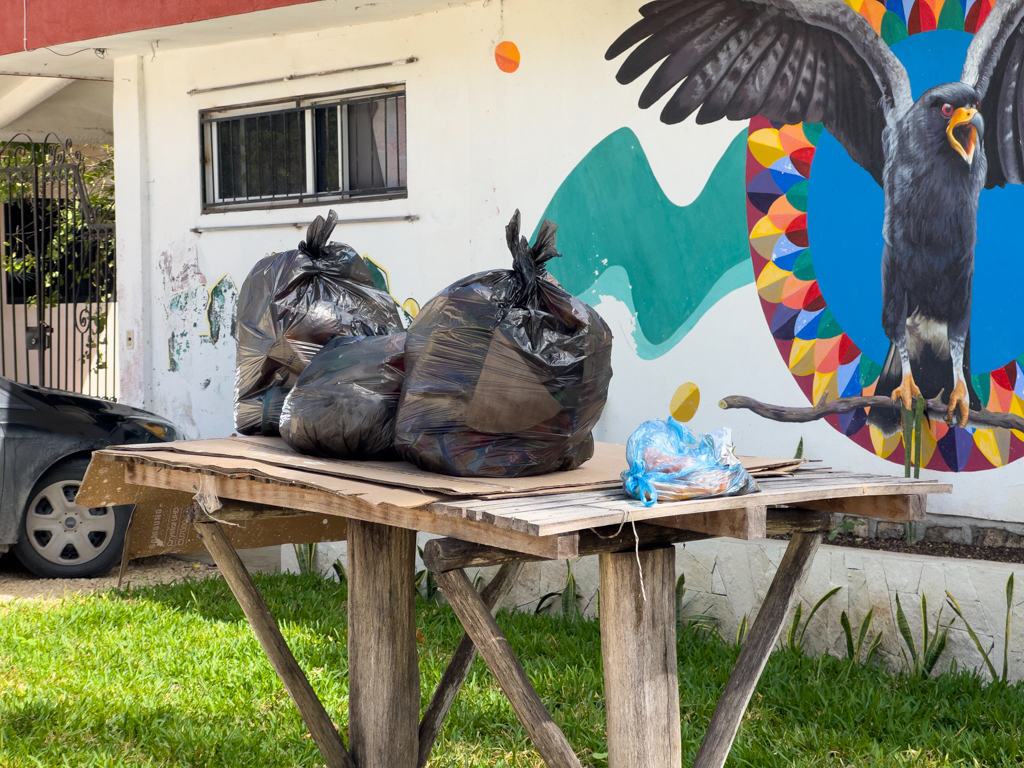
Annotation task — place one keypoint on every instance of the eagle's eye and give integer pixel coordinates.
(947, 110)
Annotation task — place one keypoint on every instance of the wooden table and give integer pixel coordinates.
(638, 636)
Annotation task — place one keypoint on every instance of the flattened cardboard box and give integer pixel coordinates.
(603, 469)
(159, 525)
(266, 456)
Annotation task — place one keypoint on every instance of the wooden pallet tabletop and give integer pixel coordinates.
(570, 512)
(528, 520)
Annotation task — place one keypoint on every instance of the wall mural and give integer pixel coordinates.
(910, 117)
(638, 259)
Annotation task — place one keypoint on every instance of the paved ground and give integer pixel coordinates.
(17, 583)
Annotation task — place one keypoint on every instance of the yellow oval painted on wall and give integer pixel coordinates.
(685, 402)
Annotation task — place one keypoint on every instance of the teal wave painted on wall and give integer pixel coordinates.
(674, 261)
(614, 283)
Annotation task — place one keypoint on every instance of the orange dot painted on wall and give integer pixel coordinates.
(506, 54)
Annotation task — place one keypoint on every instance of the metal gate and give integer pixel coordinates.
(58, 318)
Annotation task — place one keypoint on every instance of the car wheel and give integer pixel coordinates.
(61, 539)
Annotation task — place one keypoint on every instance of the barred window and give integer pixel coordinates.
(326, 148)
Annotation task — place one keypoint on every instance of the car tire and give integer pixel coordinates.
(58, 539)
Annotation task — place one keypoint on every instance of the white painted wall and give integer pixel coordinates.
(480, 144)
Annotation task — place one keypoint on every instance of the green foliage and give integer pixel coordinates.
(799, 449)
(426, 583)
(741, 631)
(844, 527)
(910, 531)
(913, 422)
(986, 655)
(922, 661)
(65, 265)
(698, 621)
(569, 597)
(305, 553)
(98, 181)
(794, 639)
(171, 676)
(339, 570)
(854, 647)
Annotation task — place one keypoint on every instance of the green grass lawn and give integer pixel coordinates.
(172, 676)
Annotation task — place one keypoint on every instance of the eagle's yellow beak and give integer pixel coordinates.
(962, 134)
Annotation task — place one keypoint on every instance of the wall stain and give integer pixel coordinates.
(187, 275)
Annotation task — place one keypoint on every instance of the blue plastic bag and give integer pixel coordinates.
(668, 462)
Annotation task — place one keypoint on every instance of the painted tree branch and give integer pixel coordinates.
(935, 407)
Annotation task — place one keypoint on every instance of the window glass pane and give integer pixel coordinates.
(391, 141)
(365, 145)
(230, 159)
(400, 103)
(327, 147)
(262, 156)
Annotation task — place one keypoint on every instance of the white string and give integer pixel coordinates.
(628, 517)
(625, 516)
(639, 568)
(207, 499)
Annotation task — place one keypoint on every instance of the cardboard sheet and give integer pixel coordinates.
(758, 466)
(380, 481)
(159, 527)
(372, 493)
(601, 471)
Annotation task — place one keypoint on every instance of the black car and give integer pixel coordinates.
(47, 437)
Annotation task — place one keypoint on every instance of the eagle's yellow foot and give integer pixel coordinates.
(958, 400)
(906, 392)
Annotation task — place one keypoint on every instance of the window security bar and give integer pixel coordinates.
(302, 224)
(322, 73)
(320, 149)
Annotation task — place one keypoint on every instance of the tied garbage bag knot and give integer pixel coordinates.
(507, 373)
(668, 462)
(638, 484)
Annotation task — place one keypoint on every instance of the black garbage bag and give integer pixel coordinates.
(289, 306)
(343, 405)
(506, 372)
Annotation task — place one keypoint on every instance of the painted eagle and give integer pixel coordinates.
(816, 61)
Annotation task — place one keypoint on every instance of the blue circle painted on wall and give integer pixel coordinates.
(815, 220)
(844, 224)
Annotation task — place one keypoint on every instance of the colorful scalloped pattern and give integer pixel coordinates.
(824, 361)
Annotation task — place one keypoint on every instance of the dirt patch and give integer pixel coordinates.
(933, 548)
(18, 584)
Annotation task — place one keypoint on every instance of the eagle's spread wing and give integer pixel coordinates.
(788, 60)
(995, 67)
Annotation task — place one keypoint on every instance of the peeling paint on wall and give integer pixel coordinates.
(189, 311)
(220, 311)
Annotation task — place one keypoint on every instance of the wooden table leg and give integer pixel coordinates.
(462, 660)
(638, 643)
(263, 625)
(757, 646)
(384, 676)
(494, 647)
